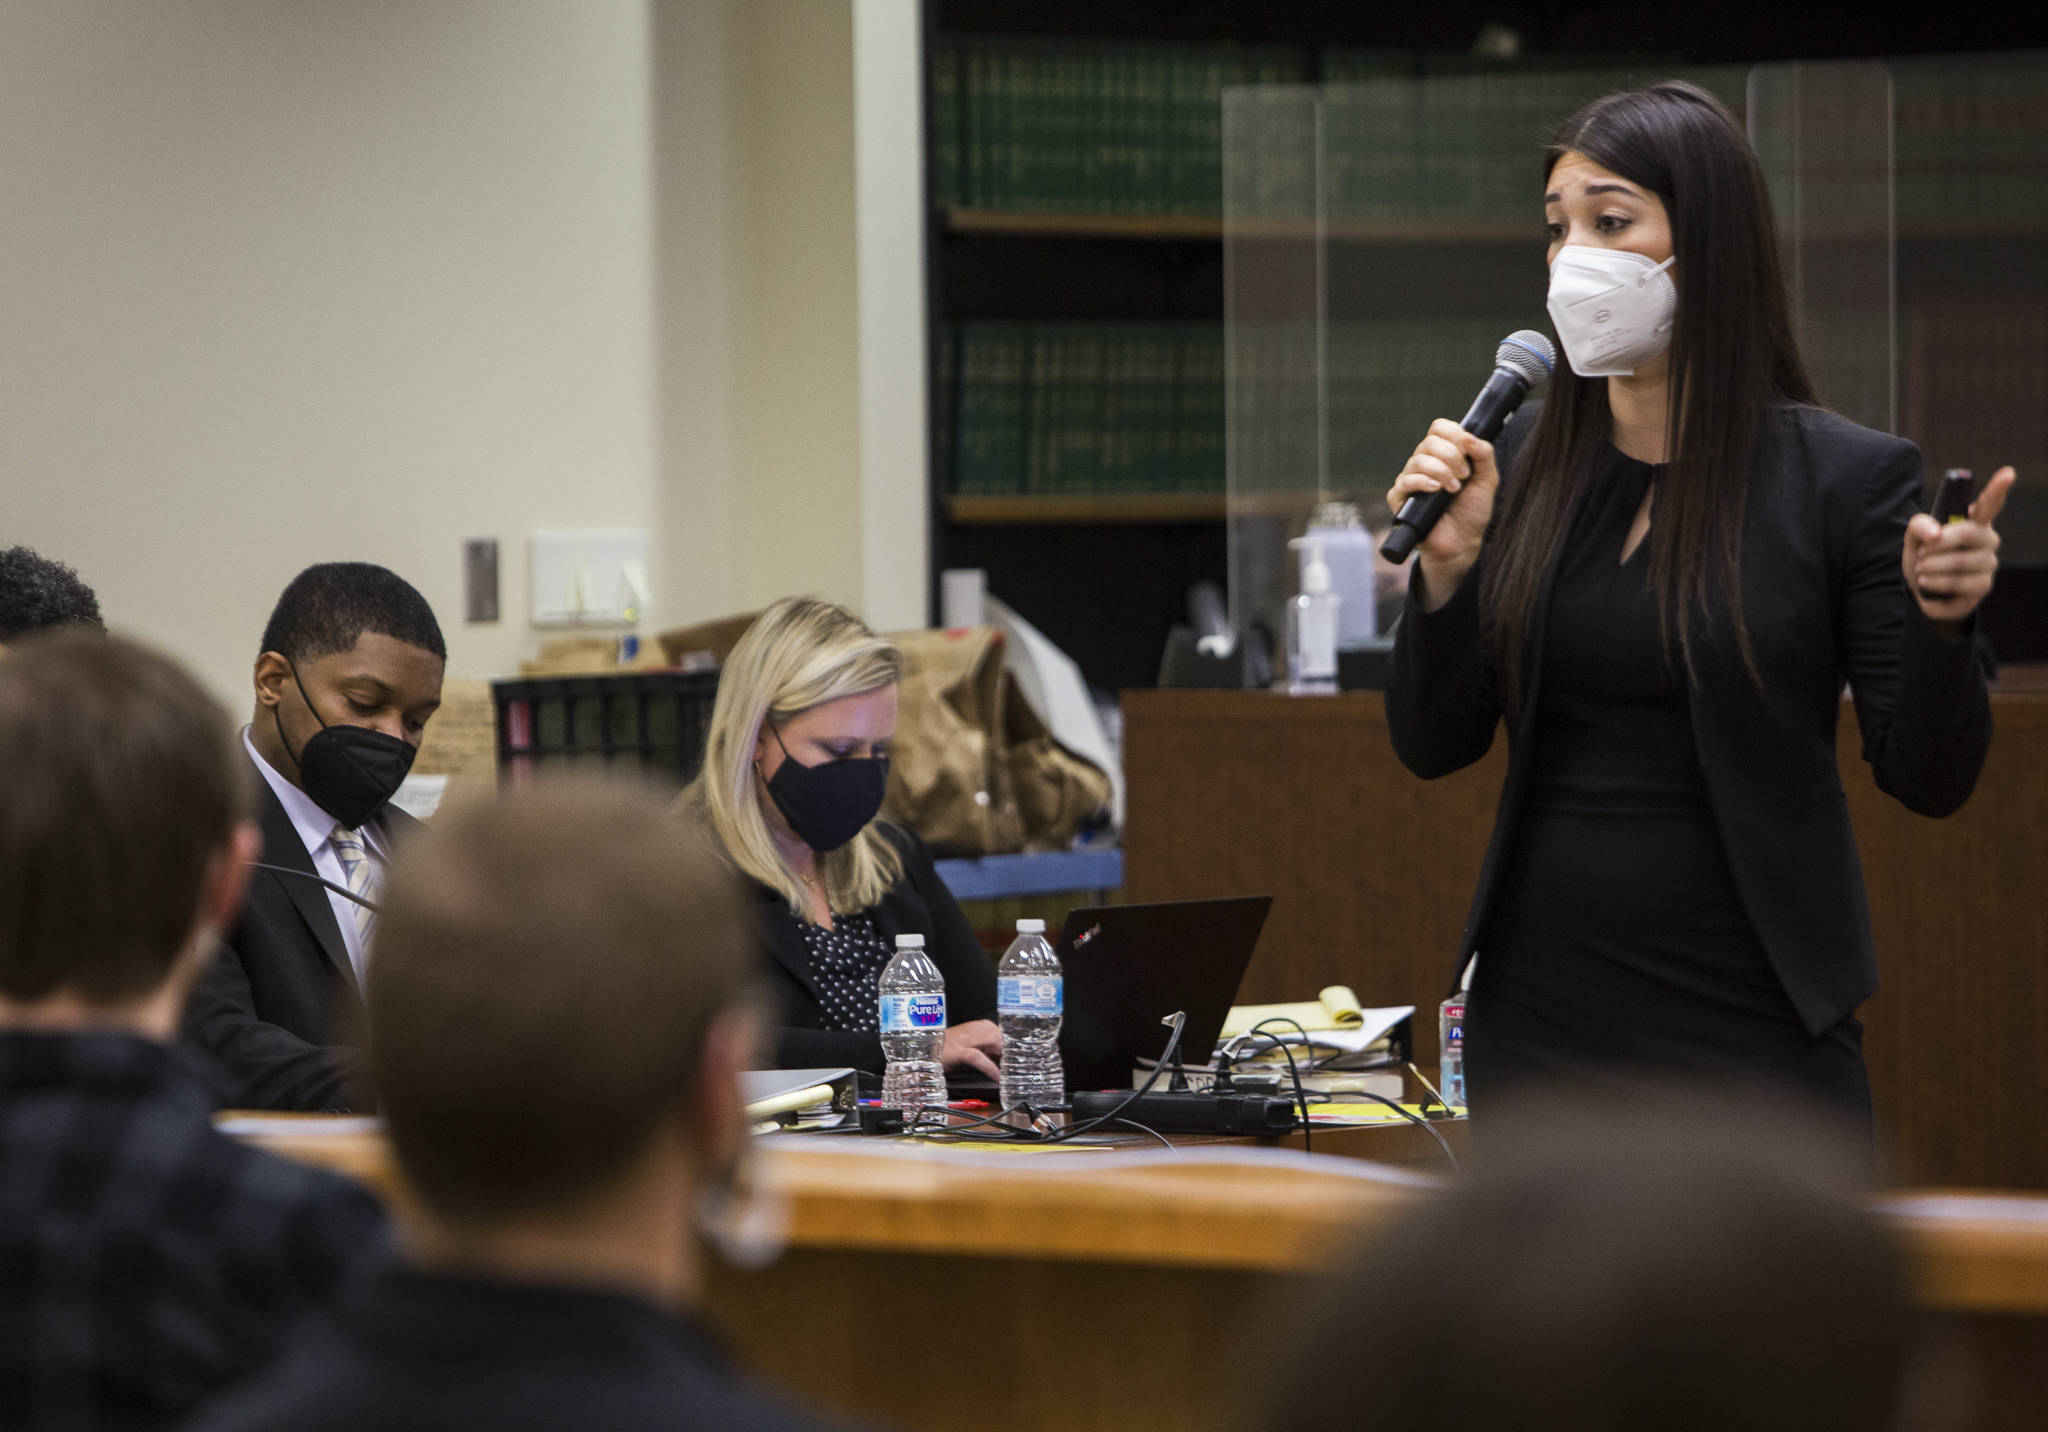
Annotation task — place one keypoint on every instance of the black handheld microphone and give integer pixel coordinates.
(1523, 360)
(342, 890)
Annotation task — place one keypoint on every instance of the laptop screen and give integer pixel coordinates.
(1128, 967)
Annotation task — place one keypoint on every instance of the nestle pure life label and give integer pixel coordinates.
(908, 1013)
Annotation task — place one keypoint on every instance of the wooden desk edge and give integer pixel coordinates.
(1991, 1258)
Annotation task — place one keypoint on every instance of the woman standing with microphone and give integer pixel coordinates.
(1661, 581)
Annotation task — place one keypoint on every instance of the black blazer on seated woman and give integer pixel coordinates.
(1826, 603)
(918, 904)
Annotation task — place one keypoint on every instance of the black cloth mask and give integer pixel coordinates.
(830, 803)
(349, 771)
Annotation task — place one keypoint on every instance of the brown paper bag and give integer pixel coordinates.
(1057, 791)
(714, 638)
(947, 778)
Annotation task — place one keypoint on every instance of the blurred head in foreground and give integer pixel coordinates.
(557, 1031)
(37, 594)
(1668, 1264)
(124, 833)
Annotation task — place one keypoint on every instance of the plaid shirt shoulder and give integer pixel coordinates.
(147, 1261)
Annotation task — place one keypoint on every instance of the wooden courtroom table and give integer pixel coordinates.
(1127, 1287)
(1372, 870)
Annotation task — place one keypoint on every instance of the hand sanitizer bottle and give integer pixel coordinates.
(1312, 630)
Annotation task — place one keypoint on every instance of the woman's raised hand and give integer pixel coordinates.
(1950, 569)
(1449, 459)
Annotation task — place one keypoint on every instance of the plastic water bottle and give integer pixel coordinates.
(913, 1019)
(1450, 1028)
(1029, 1000)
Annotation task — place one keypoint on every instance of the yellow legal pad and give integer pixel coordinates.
(1335, 1008)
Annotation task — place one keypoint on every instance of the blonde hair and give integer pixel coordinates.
(799, 654)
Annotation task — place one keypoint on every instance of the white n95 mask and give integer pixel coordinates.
(1613, 309)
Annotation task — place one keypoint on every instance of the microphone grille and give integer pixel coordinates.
(1527, 354)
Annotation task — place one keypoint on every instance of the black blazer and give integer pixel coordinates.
(278, 1010)
(1825, 602)
(917, 904)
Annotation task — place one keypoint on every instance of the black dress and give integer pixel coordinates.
(1618, 945)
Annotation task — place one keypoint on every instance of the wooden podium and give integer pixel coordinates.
(1371, 871)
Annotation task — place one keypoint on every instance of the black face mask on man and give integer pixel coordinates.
(349, 771)
(830, 803)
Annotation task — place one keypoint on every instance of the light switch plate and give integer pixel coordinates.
(480, 579)
(594, 578)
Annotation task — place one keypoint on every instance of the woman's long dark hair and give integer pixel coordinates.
(1733, 359)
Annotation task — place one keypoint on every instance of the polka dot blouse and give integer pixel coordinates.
(847, 963)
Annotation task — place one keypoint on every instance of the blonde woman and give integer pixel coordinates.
(795, 766)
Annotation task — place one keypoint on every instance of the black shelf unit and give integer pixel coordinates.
(1105, 580)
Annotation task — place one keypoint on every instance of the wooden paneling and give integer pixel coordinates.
(1959, 911)
(1371, 870)
(1300, 798)
(941, 1344)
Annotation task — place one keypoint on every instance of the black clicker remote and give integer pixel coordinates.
(1952, 497)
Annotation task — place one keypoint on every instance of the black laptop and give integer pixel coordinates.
(1128, 967)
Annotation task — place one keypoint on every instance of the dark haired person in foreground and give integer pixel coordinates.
(1689, 560)
(37, 593)
(558, 1025)
(146, 1261)
(349, 672)
(1663, 1264)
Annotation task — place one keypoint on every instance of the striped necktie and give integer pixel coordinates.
(359, 873)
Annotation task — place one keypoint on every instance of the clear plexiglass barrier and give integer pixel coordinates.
(1383, 232)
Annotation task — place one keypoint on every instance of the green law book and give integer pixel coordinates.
(1151, 130)
(1034, 104)
(1042, 402)
(1114, 471)
(975, 419)
(1011, 403)
(1162, 403)
(1200, 434)
(944, 410)
(946, 151)
(1082, 465)
(977, 181)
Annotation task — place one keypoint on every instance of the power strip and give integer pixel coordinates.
(1195, 1113)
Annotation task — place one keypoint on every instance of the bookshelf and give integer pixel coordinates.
(1132, 507)
(1087, 243)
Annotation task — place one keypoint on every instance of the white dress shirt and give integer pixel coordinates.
(316, 832)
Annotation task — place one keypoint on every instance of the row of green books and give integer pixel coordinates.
(1454, 149)
(1080, 128)
(1397, 136)
(1080, 408)
(1972, 138)
(1139, 128)
(1064, 409)
(1341, 407)
(1105, 409)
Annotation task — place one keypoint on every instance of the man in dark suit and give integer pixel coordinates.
(350, 671)
(146, 1260)
(593, 953)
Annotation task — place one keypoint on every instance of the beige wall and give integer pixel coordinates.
(795, 358)
(287, 282)
(290, 282)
